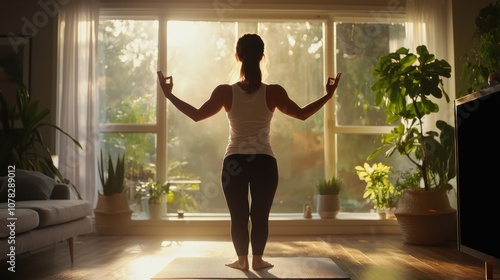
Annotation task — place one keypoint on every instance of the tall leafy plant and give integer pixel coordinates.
(113, 176)
(408, 85)
(21, 141)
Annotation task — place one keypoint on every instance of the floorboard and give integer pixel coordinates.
(361, 257)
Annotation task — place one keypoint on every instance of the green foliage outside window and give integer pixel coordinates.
(294, 57)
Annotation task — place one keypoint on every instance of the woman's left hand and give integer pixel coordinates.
(332, 83)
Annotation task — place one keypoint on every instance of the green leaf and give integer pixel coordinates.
(407, 63)
(113, 177)
(22, 143)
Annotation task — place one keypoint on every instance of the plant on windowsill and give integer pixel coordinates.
(112, 212)
(157, 198)
(184, 189)
(408, 87)
(379, 190)
(328, 200)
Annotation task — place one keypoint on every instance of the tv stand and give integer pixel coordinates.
(488, 270)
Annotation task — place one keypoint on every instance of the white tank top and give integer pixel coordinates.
(249, 122)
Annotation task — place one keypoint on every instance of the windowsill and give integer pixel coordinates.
(217, 225)
(273, 217)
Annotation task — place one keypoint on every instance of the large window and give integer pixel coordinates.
(161, 143)
(203, 58)
(358, 124)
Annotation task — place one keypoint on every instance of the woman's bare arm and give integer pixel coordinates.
(212, 106)
(286, 105)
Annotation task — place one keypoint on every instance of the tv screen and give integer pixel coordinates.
(477, 120)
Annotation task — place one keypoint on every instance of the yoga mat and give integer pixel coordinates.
(284, 268)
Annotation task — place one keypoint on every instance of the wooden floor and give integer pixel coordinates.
(362, 257)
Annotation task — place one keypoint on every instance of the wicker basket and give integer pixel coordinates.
(426, 217)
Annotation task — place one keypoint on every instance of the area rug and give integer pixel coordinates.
(284, 268)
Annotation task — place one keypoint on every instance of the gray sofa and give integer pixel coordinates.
(41, 212)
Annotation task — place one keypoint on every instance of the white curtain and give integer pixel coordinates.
(77, 96)
(430, 24)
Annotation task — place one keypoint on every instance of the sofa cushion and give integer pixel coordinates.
(42, 237)
(52, 212)
(26, 220)
(29, 185)
(61, 191)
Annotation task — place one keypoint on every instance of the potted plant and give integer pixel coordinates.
(157, 198)
(408, 86)
(328, 200)
(483, 59)
(379, 190)
(112, 212)
(21, 141)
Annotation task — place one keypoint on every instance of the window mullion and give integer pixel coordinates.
(161, 146)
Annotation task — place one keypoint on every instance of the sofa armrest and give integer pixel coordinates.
(60, 191)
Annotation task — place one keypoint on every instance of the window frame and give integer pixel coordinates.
(164, 13)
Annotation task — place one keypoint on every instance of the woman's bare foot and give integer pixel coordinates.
(259, 263)
(241, 263)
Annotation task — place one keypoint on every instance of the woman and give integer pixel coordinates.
(249, 163)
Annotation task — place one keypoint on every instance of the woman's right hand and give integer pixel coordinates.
(166, 83)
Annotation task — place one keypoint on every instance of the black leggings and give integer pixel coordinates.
(260, 173)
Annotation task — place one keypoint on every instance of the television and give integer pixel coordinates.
(477, 120)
